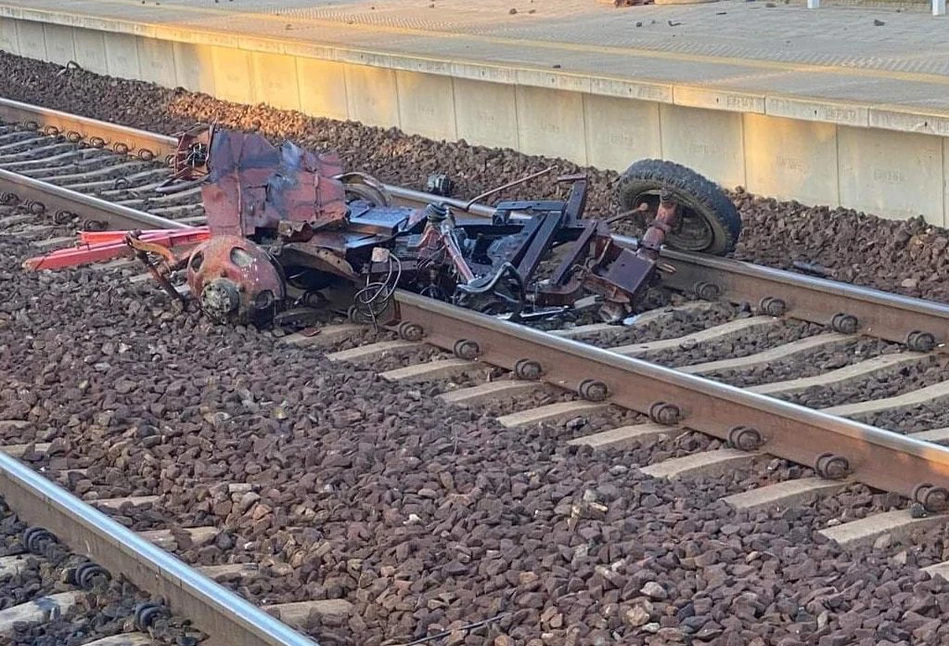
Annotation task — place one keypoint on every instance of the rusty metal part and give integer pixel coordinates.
(141, 249)
(136, 242)
(517, 182)
(933, 499)
(667, 217)
(302, 254)
(620, 274)
(189, 161)
(253, 185)
(411, 331)
(528, 369)
(564, 279)
(235, 280)
(875, 457)
(448, 242)
(831, 466)
(593, 390)
(773, 306)
(640, 210)
(665, 413)
(845, 323)
(365, 187)
(466, 349)
(745, 438)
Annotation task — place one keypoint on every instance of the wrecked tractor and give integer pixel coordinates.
(288, 231)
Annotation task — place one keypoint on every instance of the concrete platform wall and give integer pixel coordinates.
(789, 149)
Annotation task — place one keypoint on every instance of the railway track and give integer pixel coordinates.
(115, 198)
(731, 361)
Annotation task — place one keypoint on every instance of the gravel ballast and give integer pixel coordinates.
(427, 518)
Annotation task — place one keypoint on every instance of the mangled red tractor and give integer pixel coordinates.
(288, 232)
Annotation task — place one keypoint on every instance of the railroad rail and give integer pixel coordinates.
(671, 400)
(226, 617)
(671, 397)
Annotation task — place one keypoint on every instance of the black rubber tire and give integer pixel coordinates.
(701, 197)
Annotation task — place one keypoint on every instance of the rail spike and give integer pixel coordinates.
(665, 413)
(528, 369)
(920, 341)
(593, 390)
(773, 306)
(35, 538)
(86, 574)
(411, 331)
(147, 613)
(845, 323)
(707, 291)
(745, 438)
(467, 349)
(933, 499)
(832, 466)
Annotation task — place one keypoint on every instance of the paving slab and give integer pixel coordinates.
(732, 55)
(836, 106)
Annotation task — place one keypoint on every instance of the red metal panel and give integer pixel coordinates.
(255, 185)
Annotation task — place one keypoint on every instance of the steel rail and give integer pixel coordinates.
(806, 298)
(880, 314)
(159, 145)
(876, 457)
(228, 619)
(85, 206)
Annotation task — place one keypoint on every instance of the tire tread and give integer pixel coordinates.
(705, 195)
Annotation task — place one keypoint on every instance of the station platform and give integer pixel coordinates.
(838, 105)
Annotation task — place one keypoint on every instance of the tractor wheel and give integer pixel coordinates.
(709, 220)
(360, 186)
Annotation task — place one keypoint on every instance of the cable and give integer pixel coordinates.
(506, 268)
(373, 299)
